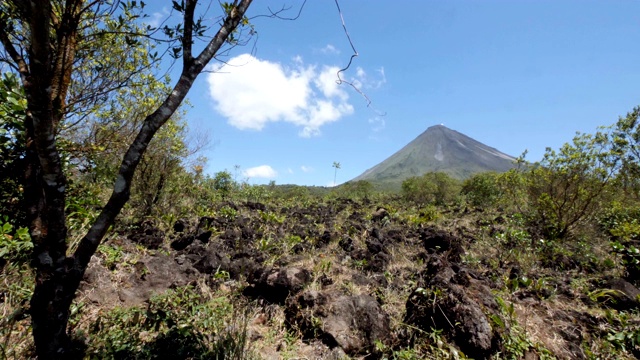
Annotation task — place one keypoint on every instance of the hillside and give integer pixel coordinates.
(438, 149)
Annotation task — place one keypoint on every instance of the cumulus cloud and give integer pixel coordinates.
(251, 92)
(306, 168)
(262, 171)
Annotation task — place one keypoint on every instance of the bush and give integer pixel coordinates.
(568, 187)
(356, 190)
(482, 189)
(179, 324)
(622, 224)
(431, 188)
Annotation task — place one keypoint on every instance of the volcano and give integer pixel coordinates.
(438, 149)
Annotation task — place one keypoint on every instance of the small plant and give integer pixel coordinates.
(15, 245)
(271, 217)
(228, 213)
(221, 275)
(426, 215)
(266, 244)
(291, 241)
(360, 264)
(113, 255)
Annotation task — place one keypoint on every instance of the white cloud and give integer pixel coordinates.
(327, 82)
(251, 92)
(364, 80)
(330, 49)
(290, 171)
(158, 17)
(262, 171)
(377, 124)
(306, 168)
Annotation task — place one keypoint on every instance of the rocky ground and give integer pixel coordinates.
(353, 279)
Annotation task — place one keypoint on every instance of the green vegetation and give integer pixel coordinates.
(431, 188)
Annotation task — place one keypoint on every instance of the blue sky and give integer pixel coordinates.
(514, 74)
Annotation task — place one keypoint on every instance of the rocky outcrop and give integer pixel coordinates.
(353, 323)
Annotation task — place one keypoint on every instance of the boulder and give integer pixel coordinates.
(379, 214)
(625, 296)
(452, 299)
(275, 285)
(148, 236)
(353, 323)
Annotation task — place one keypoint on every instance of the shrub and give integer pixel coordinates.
(482, 189)
(431, 188)
(568, 187)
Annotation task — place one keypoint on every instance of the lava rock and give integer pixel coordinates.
(353, 323)
(275, 285)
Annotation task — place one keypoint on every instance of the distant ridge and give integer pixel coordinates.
(438, 149)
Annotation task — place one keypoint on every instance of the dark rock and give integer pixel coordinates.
(625, 295)
(152, 273)
(440, 308)
(204, 236)
(231, 237)
(244, 266)
(255, 206)
(324, 239)
(353, 323)
(182, 242)
(298, 248)
(438, 241)
(394, 235)
(179, 225)
(355, 216)
(374, 246)
(211, 261)
(380, 214)
(378, 262)
(361, 279)
(325, 280)
(346, 243)
(451, 298)
(148, 236)
(275, 285)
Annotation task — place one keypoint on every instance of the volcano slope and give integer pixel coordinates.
(340, 278)
(437, 149)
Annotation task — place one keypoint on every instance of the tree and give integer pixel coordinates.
(431, 188)
(482, 189)
(568, 187)
(626, 146)
(335, 165)
(223, 183)
(42, 41)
